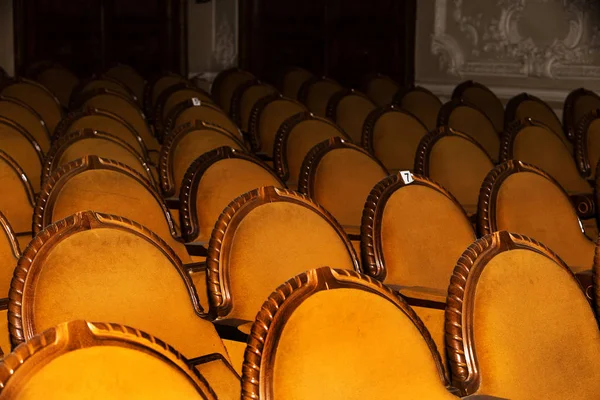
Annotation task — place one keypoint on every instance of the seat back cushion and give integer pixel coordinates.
(274, 114)
(352, 111)
(475, 124)
(532, 205)
(488, 103)
(207, 114)
(544, 149)
(221, 184)
(343, 180)
(396, 137)
(423, 234)
(16, 207)
(92, 274)
(109, 125)
(460, 166)
(273, 243)
(424, 105)
(13, 143)
(349, 336)
(319, 94)
(27, 120)
(535, 334)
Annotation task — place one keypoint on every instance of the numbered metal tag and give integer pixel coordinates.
(407, 177)
(196, 102)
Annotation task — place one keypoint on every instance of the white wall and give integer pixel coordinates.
(7, 60)
(544, 47)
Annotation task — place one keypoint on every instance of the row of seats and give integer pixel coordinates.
(199, 210)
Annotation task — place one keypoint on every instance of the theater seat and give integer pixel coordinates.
(316, 92)
(156, 86)
(346, 327)
(349, 109)
(28, 118)
(128, 76)
(18, 205)
(296, 136)
(521, 198)
(420, 102)
(457, 162)
(245, 97)
(485, 99)
(393, 135)
(291, 81)
(381, 89)
(225, 85)
(577, 104)
(23, 148)
(518, 325)
(85, 360)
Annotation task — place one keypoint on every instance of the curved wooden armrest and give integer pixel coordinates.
(219, 374)
(421, 296)
(352, 231)
(210, 358)
(584, 205)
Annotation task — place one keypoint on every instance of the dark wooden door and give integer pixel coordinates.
(89, 35)
(343, 39)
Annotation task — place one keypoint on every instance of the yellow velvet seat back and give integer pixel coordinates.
(109, 124)
(351, 113)
(265, 244)
(192, 146)
(342, 180)
(182, 95)
(271, 118)
(423, 233)
(101, 147)
(476, 124)
(9, 255)
(531, 332)
(249, 99)
(424, 105)
(593, 145)
(381, 89)
(532, 205)
(96, 361)
(99, 267)
(396, 136)
(543, 148)
(60, 81)
(162, 84)
(128, 77)
(105, 83)
(222, 183)
(302, 138)
(460, 166)
(292, 81)
(488, 103)
(347, 328)
(223, 92)
(111, 192)
(540, 112)
(208, 113)
(18, 145)
(39, 98)
(318, 95)
(19, 112)
(18, 206)
(129, 112)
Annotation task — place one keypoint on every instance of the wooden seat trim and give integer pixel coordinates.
(238, 94)
(460, 347)
(20, 80)
(220, 80)
(569, 123)
(28, 108)
(167, 180)
(223, 237)
(189, 188)
(403, 91)
(68, 139)
(336, 99)
(373, 260)
(75, 335)
(80, 90)
(373, 118)
(42, 216)
(150, 87)
(20, 308)
(185, 105)
(259, 358)
(63, 128)
(36, 147)
(281, 139)
(21, 174)
(512, 130)
(157, 112)
(428, 141)
(311, 162)
(580, 132)
(10, 235)
(514, 103)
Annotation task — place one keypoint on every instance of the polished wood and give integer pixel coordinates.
(260, 355)
(373, 260)
(371, 121)
(25, 360)
(189, 187)
(569, 123)
(580, 139)
(281, 139)
(462, 354)
(224, 234)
